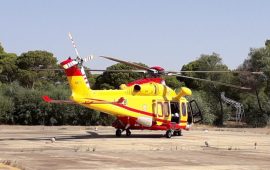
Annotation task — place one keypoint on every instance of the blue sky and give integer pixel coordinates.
(155, 32)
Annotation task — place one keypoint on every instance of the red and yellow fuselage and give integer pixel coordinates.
(142, 104)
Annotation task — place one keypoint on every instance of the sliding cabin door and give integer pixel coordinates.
(162, 111)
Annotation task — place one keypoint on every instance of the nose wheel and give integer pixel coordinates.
(118, 133)
(128, 133)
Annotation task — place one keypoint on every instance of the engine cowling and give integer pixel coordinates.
(145, 89)
(183, 92)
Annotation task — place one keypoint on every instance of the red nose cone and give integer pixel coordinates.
(158, 68)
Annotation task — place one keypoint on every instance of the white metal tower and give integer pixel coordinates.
(239, 107)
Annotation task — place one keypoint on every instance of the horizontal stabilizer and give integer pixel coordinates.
(87, 101)
(96, 102)
(49, 100)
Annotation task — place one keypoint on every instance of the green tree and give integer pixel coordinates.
(257, 112)
(112, 80)
(8, 67)
(211, 62)
(35, 59)
(172, 82)
(1, 49)
(32, 60)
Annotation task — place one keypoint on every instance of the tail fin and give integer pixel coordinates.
(76, 77)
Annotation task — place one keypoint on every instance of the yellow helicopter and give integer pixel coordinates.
(147, 103)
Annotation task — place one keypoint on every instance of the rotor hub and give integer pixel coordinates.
(157, 71)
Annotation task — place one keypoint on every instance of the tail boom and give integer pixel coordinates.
(76, 77)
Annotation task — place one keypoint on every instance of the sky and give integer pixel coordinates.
(168, 33)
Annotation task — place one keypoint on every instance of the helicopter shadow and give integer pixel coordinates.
(89, 135)
(48, 138)
(96, 135)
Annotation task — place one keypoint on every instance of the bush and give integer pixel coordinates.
(257, 119)
(7, 108)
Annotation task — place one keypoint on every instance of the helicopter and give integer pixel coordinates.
(144, 104)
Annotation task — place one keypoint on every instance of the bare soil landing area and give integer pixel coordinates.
(82, 147)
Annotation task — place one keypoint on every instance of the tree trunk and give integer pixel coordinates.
(258, 100)
(221, 111)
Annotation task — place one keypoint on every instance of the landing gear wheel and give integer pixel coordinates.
(177, 133)
(128, 133)
(118, 133)
(169, 133)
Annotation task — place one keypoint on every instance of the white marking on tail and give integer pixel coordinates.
(70, 64)
(85, 78)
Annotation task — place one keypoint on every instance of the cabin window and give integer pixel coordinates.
(166, 109)
(184, 109)
(160, 110)
(154, 108)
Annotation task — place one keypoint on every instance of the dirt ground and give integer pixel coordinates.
(31, 147)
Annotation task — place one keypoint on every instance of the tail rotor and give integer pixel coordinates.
(79, 58)
(74, 45)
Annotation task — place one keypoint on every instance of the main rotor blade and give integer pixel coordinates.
(127, 63)
(74, 45)
(216, 82)
(118, 71)
(48, 69)
(229, 71)
(97, 70)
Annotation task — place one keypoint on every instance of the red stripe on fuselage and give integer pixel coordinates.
(141, 112)
(138, 111)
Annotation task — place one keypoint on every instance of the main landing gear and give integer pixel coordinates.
(171, 132)
(118, 132)
(177, 133)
